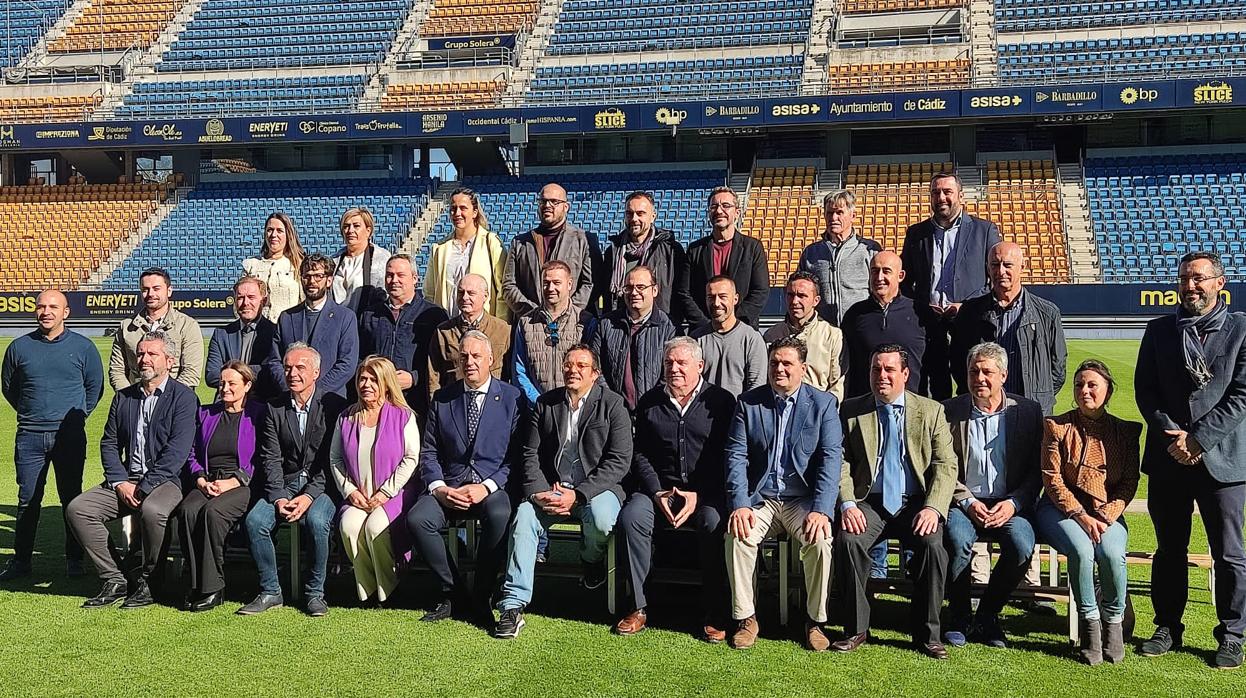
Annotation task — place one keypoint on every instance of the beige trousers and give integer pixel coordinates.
(365, 537)
(980, 566)
(774, 517)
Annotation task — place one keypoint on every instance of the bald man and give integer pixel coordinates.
(885, 317)
(472, 297)
(1028, 327)
(53, 378)
(553, 239)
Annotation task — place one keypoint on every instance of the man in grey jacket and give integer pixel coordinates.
(841, 259)
(1028, 327)
(156, 314)
(554, 239)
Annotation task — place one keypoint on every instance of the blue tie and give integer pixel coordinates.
(893, 463)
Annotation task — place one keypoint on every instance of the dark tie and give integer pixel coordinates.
(893, 464)
(473, 415)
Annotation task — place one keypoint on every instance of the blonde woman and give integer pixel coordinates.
(277, 264)
(373, 456)
(360, 273)
(470, 249)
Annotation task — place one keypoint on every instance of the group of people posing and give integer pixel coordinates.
(908, 397)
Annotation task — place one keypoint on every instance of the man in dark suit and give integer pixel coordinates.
(681, 427)
(400, 326)
(1191, 389)
(329, 328)
(724, 252)
(783, 457)
(944, 260)
(899, 472)
(576, 448)
(997, 439)
(147, 440)
(465, 463)
(293, 451)
(248, 339)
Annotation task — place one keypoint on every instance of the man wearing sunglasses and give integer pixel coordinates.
(544, 334)
(629, 340)
(555, 239)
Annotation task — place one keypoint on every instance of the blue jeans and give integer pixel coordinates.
(1016, 545)
(531, 522)
(316, 521)
(1067, 536)
(33, 451)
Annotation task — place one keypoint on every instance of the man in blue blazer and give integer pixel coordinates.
(944, 258)
(147, 441)
(783, 461)
(331, 329)
(248, 339)
(465, 463)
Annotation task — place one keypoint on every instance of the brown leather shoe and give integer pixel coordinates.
(713, 634)
(851, 642)
(815, 637)
(934, 650)
(632, 623)
(745, 633)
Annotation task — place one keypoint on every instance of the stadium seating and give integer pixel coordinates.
(596, 203)
(867, 77)
(1203, 202)
(226, 34)
(445, 95)
(116, 25)
(708, 78)
(470, 17)
(255, 96)
(225, 221)
(1128, 58)
(782, 214)
(52, 108)
(25, 21)
(1053, 15)
(850, 7)
(83, 224)
(613, 26)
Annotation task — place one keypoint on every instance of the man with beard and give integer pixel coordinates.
(154, 289)
(554, 239)
(544, 334)
(629, 340)
(1191, 390)
(641, 243)
(321, 323)
(734, 352)
(724, 252)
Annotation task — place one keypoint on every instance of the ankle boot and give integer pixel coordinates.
(1091, 632)
(1113, 642)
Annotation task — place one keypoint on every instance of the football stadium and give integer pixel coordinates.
(1037, 188)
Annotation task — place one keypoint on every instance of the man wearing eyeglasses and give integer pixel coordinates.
(1191, 389)
(555, 239)
(724, 252)
(543, 334)
(629, 341)
(329, 328)
(157, 315)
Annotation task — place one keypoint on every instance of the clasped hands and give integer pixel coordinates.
(216, 488)
(1184, 449)
(359, 500)
(461, 498)
(558, 501)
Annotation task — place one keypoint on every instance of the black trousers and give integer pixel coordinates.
(425, 521)
(90, 510)
(928, 569)
(1170, 498)
(936, 361)
(637, 521)
(203, 524)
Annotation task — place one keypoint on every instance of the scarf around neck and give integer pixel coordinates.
(1193, 328)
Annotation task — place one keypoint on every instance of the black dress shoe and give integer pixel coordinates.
(208, 602)
(15, 570)
(442, 611)
(850, 643)
(934, 650)
(109, 595)
(262, 603)
(188, 601)
(139, 598)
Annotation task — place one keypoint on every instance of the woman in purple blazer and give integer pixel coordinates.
(220, 468)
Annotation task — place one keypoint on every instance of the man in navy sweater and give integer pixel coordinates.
(53, 378)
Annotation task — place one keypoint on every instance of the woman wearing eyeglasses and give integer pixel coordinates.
(471, 248)
(277, 264)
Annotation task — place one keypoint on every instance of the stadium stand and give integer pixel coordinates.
(442, 95)
(25, 21)
(225, 221)
(611, 26)
(1126, 58)
(231, 34)
(50, 108)
(116, 25)
(782, 214)
(596, 202)
(82, 224)
(470, 17)
(1053, 15)
(849, 7)
(868, 77)
(1204, 197)
(708, 78)
(247, 96)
